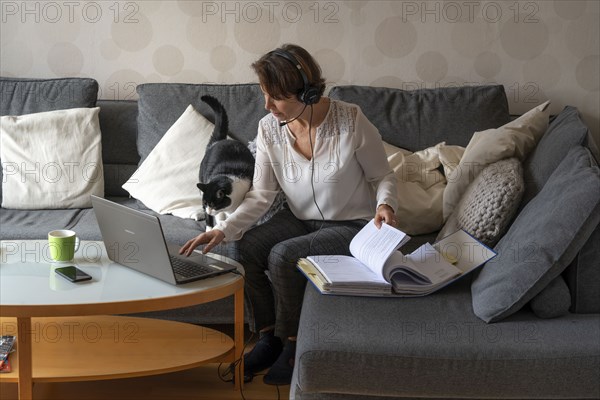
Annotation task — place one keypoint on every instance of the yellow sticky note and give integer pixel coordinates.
(450, 258)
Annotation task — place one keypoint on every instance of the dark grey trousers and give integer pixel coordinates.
(274, 248)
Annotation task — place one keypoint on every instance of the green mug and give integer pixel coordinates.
(63, 244)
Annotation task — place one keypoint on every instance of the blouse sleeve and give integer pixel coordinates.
(371, 156)
(258, 199)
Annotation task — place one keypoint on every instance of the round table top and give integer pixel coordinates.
(29, 287)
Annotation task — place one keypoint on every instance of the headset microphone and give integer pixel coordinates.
(284, 123)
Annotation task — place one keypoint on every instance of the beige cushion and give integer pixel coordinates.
(166, 180)
(51, 160)
(515, 139)
(489, 203)
(450, 157)
(420, 188)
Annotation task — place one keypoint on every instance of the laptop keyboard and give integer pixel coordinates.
(187, 269)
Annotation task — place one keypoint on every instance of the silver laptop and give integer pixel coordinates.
(136, 240)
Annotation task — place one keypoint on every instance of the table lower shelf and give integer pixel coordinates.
(69, 349)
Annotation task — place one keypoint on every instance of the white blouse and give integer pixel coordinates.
(351, 174)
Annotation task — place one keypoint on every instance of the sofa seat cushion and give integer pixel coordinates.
(176, 230)
(435, 346)
(35, 224)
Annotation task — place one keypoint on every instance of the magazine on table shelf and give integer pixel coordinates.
(6, 345)
(378, 268)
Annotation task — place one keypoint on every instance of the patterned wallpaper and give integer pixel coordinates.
(537, 49)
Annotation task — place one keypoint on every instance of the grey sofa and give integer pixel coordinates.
(372, 348)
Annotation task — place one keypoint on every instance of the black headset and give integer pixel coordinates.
(308, 95)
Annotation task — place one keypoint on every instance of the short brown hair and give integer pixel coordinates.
(280, 79)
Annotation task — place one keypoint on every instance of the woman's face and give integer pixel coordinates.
(282, 109)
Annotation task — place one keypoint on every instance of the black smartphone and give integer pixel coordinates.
(73, 273)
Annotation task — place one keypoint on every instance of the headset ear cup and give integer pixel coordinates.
(310, 96)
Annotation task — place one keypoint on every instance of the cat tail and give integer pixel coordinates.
(221, 122)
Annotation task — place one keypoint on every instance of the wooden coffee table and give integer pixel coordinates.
(67, 331)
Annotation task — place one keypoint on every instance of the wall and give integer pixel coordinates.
(537, 49)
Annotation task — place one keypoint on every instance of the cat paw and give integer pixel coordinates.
(220, 217)
(197, 215)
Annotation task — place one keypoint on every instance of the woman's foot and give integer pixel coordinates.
(281, 372)
(263, 355)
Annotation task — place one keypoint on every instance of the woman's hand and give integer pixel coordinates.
(212, 238)
(385, 214)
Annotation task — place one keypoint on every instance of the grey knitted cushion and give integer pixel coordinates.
(489, 203)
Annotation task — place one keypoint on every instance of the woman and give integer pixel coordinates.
(329, 161)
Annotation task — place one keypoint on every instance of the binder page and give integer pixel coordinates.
(373, 246)
(464, 251)
(433, 265)
(344, 269)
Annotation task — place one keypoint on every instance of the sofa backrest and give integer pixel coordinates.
(418, 119)
(410, 119)
(161, 104)
(26, 96)
(120, 158)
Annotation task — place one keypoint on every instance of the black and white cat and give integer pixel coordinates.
(226, 171)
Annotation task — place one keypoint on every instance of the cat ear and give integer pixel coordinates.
(201, 186)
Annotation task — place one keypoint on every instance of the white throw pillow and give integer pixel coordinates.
(420, 188)
(51, 160)
(166, 180)
(515, 139)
